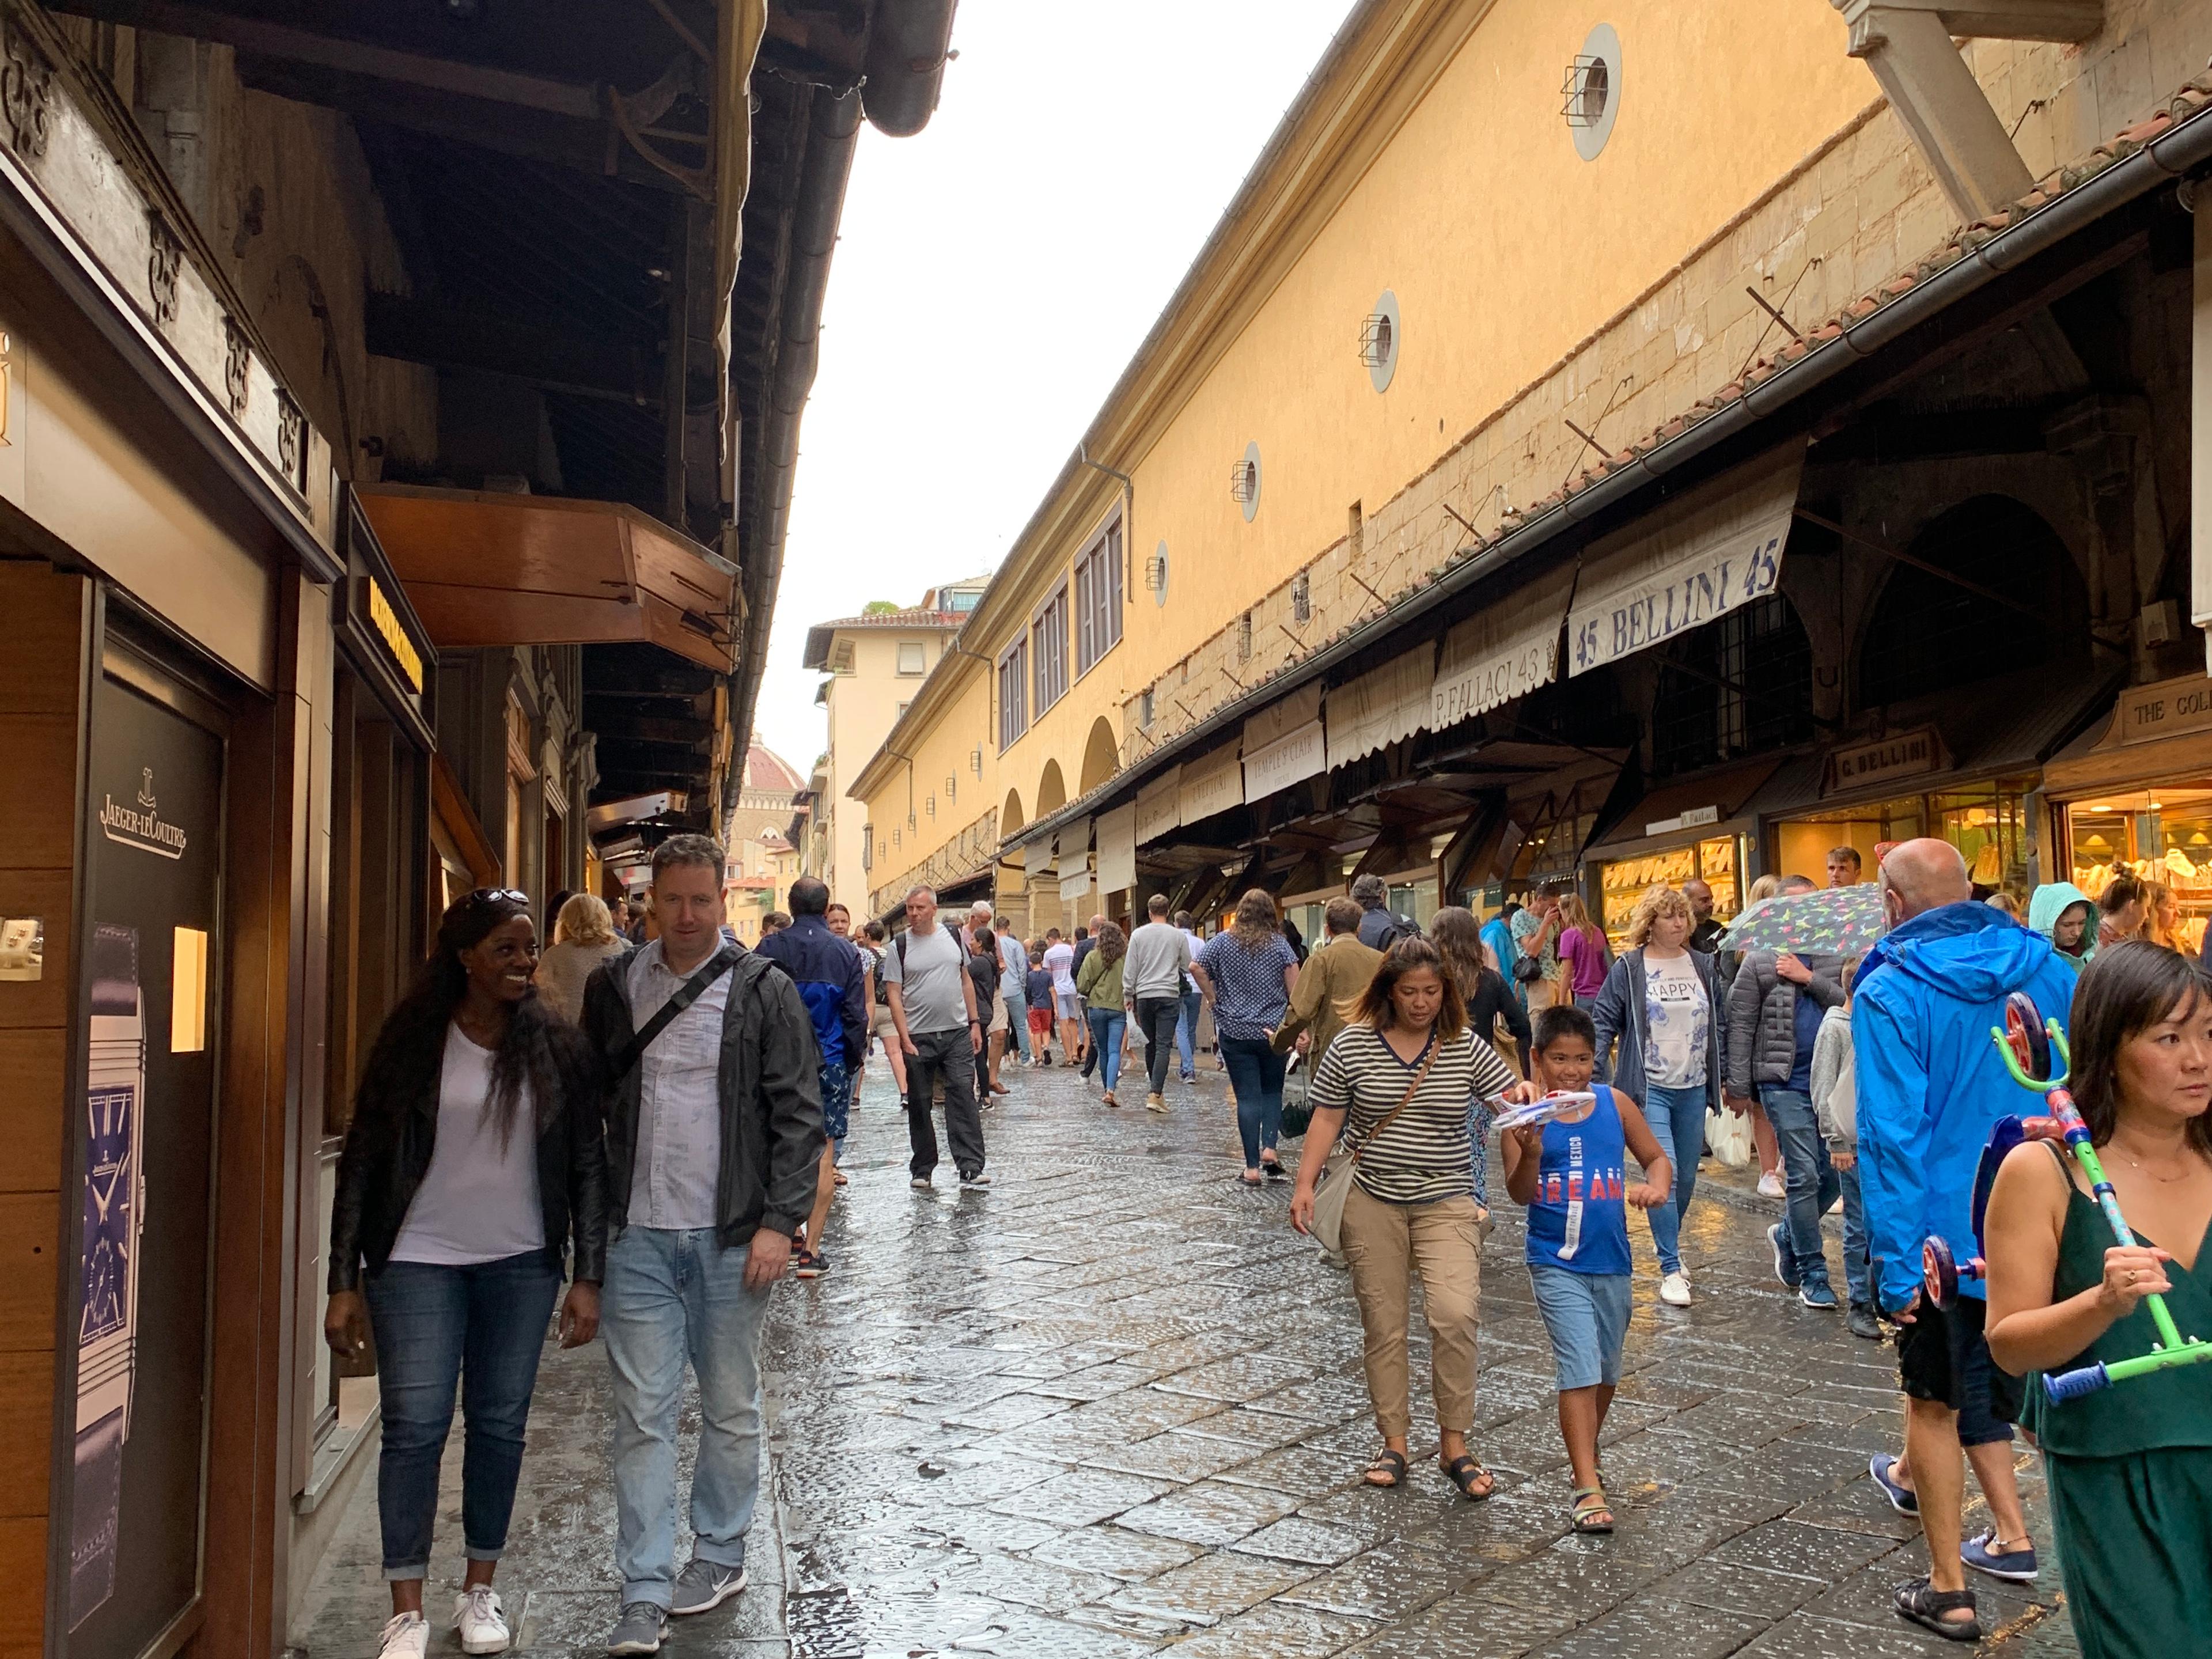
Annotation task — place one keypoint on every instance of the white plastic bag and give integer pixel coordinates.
(1728, 1134)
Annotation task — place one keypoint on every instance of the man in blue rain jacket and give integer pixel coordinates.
(827, 971)
(1930, 1088)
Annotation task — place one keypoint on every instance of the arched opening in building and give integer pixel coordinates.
(1929, 634)
(1052, 790)
(1102, 756)
(1742, 685)
(1010, 817)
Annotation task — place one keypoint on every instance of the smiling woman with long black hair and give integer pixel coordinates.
(475, 1153)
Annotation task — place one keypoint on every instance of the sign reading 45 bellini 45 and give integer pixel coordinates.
(1717, 550)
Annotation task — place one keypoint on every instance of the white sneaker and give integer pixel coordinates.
(1771, 1185)
(407, 1637)
(481, 1623)
(1674, 1290)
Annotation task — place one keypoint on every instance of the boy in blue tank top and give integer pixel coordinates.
(1571, 1173)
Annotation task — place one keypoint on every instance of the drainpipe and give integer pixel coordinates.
(910, 43)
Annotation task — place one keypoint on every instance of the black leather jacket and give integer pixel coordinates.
(387, 1150)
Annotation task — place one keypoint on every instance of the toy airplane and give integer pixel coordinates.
(2028, 1044)
(1543, 1109)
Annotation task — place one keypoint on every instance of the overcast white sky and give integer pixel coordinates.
(994, 276)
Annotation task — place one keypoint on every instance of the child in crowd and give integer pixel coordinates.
(1036, 989)
(1835, 1098)
(1570, 1173)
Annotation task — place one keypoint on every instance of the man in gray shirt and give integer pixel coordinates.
(713, 1139)
(932, 998)
(1159, 954)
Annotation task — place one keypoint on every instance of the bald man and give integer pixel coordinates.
(1929, 1090)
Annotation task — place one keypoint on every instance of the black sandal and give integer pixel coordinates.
(1389, 1463)
(1919, 1600)
(1466, 1472)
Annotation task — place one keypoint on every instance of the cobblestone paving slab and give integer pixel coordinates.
(1113, 1407)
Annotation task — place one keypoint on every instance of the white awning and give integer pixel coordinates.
(1280, 719)
(1505, 653)
(1076, 883)
(1288, 760)
(1159, 805)
(1070, 848)
(1717, 547)
(1212, 783)
(1117, 848)
(1036, 857)
(1377, 709)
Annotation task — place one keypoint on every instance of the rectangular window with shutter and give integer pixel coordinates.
(1048, 651)
(1099, 599)
(1013, 694)
(912, 657)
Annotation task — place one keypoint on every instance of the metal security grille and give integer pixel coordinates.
(1740, 685)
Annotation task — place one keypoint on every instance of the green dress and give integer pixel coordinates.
(2130, 1468)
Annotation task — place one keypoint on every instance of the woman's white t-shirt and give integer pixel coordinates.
(1679, 1017)
(479, 1201)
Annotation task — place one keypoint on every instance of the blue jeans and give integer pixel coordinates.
(1186, 1034)
(670, 1295)
(1677, 1117)
(1255, 1072)
(1106, 1028)
(480, 1328)
(1017, 1019)
(1858, 1274)
(1813, 1181)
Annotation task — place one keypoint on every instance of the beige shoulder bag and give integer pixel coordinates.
(1334, 1185)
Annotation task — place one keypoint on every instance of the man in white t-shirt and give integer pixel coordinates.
(932, 999)
(1066, 1003)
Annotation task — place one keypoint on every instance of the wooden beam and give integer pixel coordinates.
(559, 353)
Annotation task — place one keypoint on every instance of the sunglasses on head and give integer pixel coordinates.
(498, 895)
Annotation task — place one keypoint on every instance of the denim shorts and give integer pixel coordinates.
(1586, 1315)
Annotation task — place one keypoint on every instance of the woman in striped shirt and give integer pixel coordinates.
(1395, 1084)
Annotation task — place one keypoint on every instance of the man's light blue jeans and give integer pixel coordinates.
(1186, 1034)
(668, 1296)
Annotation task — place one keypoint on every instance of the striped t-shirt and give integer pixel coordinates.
(1425, 1155)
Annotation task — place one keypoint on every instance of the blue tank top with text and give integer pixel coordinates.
(1578, 1219)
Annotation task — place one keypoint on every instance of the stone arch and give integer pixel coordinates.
(1052, 790)
(1010, 817)
(1102, 756)
(1924, 634)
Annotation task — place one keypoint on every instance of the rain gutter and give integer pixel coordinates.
(2180, 150)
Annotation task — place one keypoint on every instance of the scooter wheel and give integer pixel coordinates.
(1939, 1273)
(2024, 1031)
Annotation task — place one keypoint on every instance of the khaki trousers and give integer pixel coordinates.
(1544, 992)
(1385, 1244)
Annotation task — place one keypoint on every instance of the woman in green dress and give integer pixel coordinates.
(2130, 1467)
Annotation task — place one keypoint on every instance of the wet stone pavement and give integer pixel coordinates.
(1113, 1406)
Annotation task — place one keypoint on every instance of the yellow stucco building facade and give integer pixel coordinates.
(1495, 247)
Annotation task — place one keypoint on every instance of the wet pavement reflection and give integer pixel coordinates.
(1113, 1406)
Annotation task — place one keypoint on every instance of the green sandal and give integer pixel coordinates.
(1592, 1513)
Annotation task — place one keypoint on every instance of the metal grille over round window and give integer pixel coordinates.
(1381, 339)
(1244, 482)
(1156, 574)
(1589, 97)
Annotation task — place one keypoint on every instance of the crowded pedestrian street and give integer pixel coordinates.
(1112, 1406)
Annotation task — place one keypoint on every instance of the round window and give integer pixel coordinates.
(1592, 102)
(1381, 337)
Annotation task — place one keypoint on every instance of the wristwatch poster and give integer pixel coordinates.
(114, 1211)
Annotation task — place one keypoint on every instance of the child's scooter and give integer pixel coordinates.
(2028, 1044)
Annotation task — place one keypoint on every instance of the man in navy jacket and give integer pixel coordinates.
(827, 971)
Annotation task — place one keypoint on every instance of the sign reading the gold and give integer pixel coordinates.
(2165, 710)
(385, 621)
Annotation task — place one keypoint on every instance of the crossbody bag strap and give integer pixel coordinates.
(686, 993)
(1413, 1089)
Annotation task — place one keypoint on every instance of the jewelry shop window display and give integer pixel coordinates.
(2162, 835)
(1716, 861)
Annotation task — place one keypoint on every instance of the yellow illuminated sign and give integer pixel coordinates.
(385, 621)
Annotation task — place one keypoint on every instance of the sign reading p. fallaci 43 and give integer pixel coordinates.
(1718, 550)
(139, 824)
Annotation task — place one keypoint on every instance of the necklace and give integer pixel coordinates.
(2142, 1168)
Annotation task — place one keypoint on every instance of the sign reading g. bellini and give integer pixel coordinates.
(140, 826)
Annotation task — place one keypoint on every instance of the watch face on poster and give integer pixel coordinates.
(114, 1206)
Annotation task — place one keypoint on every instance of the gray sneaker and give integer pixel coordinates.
(639, 1628)
(703, 1586)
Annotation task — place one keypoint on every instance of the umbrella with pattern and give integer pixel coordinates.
(1832, 921)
